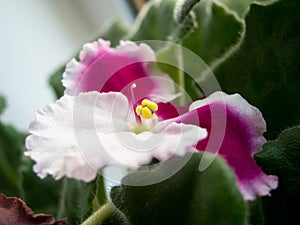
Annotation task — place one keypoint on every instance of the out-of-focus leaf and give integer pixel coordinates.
(13, 211)
(184, 18)
(218, 34)
(115, 33)
(241, 7)
(154, 22)
(183, 8)
(55, 82)
(188, 197)
(75, 200)
(11, 150)
(2, 104)
(266, 68)
(282, 157)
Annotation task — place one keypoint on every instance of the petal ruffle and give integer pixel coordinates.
(56, 129)
(129, 149)
(104, 69)
(78, 135)
(236, 131)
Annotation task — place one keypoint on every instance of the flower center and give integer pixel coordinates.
(146, 109)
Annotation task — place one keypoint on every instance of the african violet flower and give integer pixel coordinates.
(115, 111)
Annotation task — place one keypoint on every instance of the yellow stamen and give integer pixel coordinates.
(152, 106)
(146, 113)
(146, 109)
(138, 110)
(145, 102)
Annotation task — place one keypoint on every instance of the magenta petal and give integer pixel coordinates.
(104, 69)
(231, 121)
(169, 110)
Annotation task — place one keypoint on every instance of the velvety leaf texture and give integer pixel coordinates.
(266, 68)
(217, 35)
(154, 22)
(188, 197)
(282, 157)
(75, 200)
(183, 8)
(116, 218)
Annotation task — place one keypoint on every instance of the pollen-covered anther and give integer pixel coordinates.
(146, 109)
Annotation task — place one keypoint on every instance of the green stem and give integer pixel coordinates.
(181, 82)
(100, 194)
(100, 215)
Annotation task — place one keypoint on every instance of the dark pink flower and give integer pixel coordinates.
(102, 120)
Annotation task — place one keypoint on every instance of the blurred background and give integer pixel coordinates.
(38, 36)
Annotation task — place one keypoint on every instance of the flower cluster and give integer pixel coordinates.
(118, 110)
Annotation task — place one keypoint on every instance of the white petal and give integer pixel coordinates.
(70, 77)
(177, 139)
(56, 128)
(90, 50)
(142, 52)
(165, 91)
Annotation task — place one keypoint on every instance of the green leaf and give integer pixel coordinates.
(55, 82)
(2, 104)
(282, 157)
(239, 7)
(165, 20)
(266, 68)
(11, 150)
(75, 200)
(185, 19)
(115, 33)
(154, 22)
(218, 34)
(183, 8)
(188, 197)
